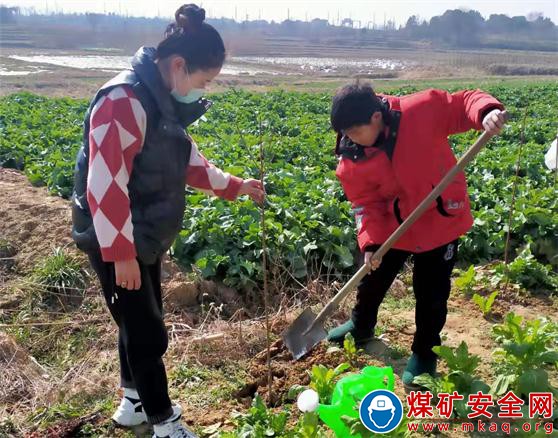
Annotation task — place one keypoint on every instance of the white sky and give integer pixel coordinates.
(362, 10)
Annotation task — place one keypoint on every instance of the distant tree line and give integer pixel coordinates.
(455, 28)
(469, 29)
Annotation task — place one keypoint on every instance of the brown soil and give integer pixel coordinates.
(285, 371)
(32, 222)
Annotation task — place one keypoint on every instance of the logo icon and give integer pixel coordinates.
(449, 252)
(381, 411)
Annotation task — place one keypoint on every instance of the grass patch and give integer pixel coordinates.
(7, 253)
(7, 427)
(397, 352)
(60, 272)
(6, 248)
(56, 346)
(56, 285)
(379, 330)
(406, 302)
(105, 429)
(203, 386)
(75, 407)
(398, 324)
(48, 294)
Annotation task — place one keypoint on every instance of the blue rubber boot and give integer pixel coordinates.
(361, 336)
(415, 367)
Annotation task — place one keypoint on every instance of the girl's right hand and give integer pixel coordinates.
(253, 188)
(128, 275)
(374, 264)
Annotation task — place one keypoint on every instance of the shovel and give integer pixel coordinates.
(307, 330)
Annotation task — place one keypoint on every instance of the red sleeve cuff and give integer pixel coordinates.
(118, 253)
(484, 111)
(492, 104)
(231, 192)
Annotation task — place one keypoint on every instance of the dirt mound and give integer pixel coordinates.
(286, 371)
(30, 219)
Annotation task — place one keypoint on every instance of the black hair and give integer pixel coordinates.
(197, 42)
(353, 105)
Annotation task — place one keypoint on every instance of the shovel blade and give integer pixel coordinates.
(298, 339)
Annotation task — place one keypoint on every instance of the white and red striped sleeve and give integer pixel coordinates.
(117, 132)
(206, 178)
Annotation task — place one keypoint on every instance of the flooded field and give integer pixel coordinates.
(79, 73)
(6, 72)
(235, 66)
(326, 65)
(92, 62)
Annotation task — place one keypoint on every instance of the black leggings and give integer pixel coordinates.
(431, 285)
(142, 336)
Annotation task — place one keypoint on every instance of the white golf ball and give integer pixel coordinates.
(308, 401)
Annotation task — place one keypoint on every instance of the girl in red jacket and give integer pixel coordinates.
(392, 152)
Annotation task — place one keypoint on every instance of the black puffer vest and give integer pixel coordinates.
(157, 183)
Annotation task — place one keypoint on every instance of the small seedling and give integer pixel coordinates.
(323, 380)
(350, 350)
(466, 281)
(485, 303)
(262, 422)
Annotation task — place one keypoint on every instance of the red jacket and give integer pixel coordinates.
(385, 183)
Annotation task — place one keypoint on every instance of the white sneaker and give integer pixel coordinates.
(130, 412)
(172, 428)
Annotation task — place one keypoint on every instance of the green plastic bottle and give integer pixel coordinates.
(348, 393)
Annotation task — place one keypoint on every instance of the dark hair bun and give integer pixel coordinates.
(191, 38)
(189, 17)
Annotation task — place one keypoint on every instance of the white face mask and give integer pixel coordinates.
(192, 96)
